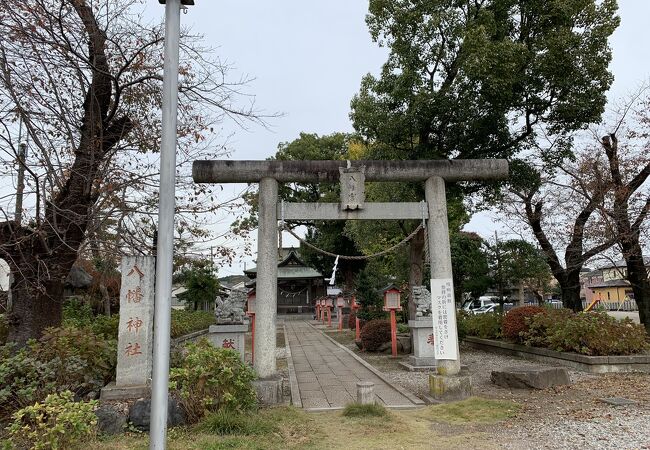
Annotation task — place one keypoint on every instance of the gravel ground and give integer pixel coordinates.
(568, 417)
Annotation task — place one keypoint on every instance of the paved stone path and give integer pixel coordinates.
(327, 374)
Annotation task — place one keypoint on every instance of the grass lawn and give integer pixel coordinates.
(287, 427)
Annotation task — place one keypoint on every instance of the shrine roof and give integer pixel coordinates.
(290, 268)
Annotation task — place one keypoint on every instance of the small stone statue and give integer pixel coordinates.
(422, 300)
(231, 310)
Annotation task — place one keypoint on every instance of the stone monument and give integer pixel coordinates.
(135, 332)
(230, 330)
(423, 357)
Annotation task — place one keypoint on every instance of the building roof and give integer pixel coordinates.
(290, 268)
(610, 283)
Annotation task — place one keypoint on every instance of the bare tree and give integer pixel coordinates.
(85, 80)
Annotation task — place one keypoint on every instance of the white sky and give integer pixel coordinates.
(308, 58)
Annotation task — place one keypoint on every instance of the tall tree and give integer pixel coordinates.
(483, 79)
(470, 265)
(84, 79)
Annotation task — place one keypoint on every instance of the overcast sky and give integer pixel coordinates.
(307, 59)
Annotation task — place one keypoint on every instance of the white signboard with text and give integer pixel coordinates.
(443, 310)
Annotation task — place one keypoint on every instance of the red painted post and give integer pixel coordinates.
(329, 317)
(393, 333)
(340, 319)
(358, 331)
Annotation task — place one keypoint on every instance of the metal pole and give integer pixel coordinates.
(165, 247)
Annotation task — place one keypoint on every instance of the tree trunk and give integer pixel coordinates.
(637, 275)
(571, 290)
(416, 250)
(34, 310)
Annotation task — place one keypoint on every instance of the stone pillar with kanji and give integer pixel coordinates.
(135, 332)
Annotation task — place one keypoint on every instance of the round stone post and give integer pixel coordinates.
(267, 279)
(440, 255)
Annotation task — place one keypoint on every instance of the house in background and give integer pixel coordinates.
(298, 284)
(609, 284)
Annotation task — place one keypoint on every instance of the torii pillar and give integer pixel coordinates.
(449, 383)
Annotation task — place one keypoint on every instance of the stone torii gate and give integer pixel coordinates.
(352, 175)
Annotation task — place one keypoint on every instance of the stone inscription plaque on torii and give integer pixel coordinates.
(434, 174)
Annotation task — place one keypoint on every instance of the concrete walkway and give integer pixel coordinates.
(327, 374)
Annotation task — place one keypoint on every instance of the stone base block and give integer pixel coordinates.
(113, 392)
(269, 390)
(229, 336)
(417, 361)
(536, 377)
(449, 388)
(411, 368)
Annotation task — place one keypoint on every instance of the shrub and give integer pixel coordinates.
(185, 322)
(374, 334)
(211, 379)
(24, 379)
(403, 328)
(514, 322)
(484, 326)
(58, 422)
(106, 326)
(83, 361)
(63, 359)
(462, 317)
(593, 333)
(77, 313)
(538, 326)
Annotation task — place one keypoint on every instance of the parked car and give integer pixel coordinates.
(485, 309)
(480, 302)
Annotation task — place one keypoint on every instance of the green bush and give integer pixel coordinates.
(63, 359)
(56, 423)
(211, 379)
(484, 326)
(589, 333)
(77, 313)
(538, 326)
(185, 322)
(4, 329)
(106, 326)
(461, 323)
(374, 334)
(515, 322)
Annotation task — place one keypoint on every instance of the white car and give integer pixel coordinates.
(485, 309)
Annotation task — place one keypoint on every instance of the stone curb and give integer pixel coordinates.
(417, 402)
(590, 364)
(188, 337)
(293, 381)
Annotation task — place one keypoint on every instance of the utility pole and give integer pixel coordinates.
(165, 244)
(20, 188)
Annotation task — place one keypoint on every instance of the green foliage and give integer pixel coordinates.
(4, 329)
(459, 74)
(56, 423)
(359, 410)
(225, 423)
(515, 322)
(484, 326)
(77, 313)
(587, 333)
(212, 379)
(374, 334)
(469, 265)
(185, 322)
(200, 282)
(63, 359)
(368, 297)
(107, 326)
(403, 328)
